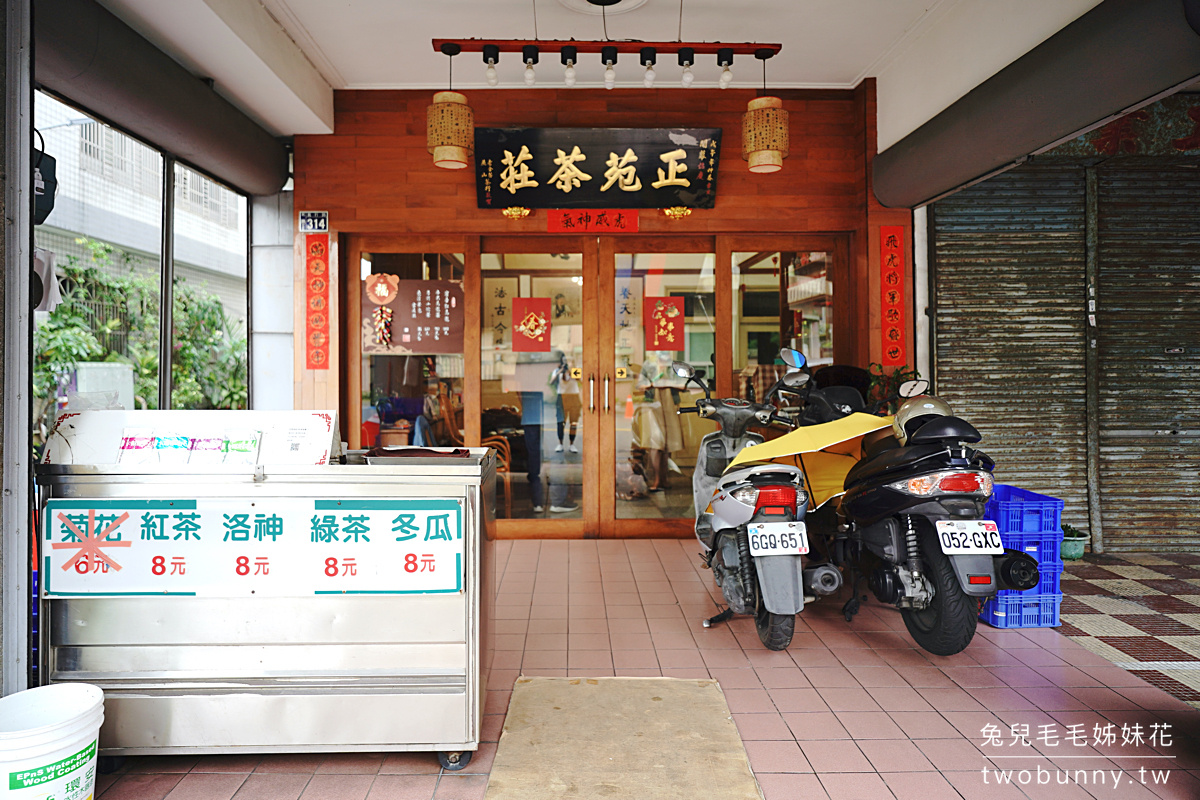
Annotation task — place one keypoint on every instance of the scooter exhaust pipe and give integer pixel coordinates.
(822, 579)
(1016, 571)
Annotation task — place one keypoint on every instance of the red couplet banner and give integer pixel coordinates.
(664, 323)
(531, 324)
(892, 306)
(316, 300)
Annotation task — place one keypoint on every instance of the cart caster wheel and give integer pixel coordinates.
(453, 761)
(107, 765)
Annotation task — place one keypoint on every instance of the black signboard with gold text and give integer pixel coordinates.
(596, 167)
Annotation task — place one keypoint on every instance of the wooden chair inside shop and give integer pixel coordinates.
(455, 438)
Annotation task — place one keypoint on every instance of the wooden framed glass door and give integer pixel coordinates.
(537, 382)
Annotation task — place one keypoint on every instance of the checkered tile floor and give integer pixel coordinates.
(1140, 611)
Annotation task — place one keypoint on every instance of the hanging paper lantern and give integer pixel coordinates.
(450, 130)
(765, 134)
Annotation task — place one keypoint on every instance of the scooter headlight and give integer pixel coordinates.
(746, 495)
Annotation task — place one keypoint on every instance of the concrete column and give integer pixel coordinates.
(16, 242)
(272, 298)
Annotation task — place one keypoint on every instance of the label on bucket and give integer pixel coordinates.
(73, 785)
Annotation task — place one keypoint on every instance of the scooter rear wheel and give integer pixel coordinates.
(774, 630)
(947, 625)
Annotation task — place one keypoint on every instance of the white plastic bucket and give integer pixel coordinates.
(48, 742)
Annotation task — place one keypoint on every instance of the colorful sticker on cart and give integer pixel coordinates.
(282, 547)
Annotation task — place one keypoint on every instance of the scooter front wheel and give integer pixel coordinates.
(947, 625)
(774, 630)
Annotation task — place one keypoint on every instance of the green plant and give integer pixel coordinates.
(886, 384)
(110, 312)
(1071, 532)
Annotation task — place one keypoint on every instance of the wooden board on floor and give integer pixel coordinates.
(620, 739)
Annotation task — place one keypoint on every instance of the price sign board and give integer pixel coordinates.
(231, 547)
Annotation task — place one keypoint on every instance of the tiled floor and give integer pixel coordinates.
(849, 711)
(1141, 611)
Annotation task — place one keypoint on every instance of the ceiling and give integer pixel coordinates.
(281, 60)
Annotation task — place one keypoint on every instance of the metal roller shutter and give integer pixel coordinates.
(1008, 264)
(1149, 341)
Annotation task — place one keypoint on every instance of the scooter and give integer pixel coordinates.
(910, 494)
(750, 520)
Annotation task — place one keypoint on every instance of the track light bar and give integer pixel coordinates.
(702, 48)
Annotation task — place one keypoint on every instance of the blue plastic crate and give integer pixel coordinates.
(1046, 547)
(1020, 610)
(1022, 511)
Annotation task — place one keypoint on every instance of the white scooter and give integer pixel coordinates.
(750, 520)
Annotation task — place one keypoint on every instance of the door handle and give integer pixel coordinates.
(606, 393)
(591, 392)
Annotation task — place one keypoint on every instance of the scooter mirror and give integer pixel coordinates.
(683, 369)
(914, 388)
(793, 358)
(794, 379)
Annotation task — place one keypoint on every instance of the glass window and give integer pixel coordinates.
(412, 397)
(769, 313)
(99, 346)
(209, 367)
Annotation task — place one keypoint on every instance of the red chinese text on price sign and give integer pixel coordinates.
(283, 547)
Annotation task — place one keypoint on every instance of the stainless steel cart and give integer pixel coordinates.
(274, 609)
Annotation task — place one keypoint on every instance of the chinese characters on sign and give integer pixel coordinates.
(894, 321)
(531, 324)
(271, 546)
(664, 323)
(411, 317)
(600, 168)
(592, 221)
(316, 300)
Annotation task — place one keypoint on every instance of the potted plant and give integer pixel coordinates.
(1073, 543)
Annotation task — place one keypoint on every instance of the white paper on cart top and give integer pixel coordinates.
(191, 438)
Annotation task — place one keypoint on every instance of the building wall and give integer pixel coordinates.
(375, 175)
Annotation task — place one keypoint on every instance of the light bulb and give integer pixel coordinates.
(610, 77)
(725, 79)
(688, 77)
(529, 76)
(650, 76)
(492, 77)
(569, 74)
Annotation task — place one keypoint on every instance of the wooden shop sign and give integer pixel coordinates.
(604, 168)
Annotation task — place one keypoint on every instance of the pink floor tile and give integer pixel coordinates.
(143, 786)
(923, 724)
(1002, 700)
(403, 787)
(416, 763)
(903, 698)
(869, 725)
(823, 677)
(760, 727)
(972, 787)
(953, 754)
(854, 786)
(736, 678)
(233, 763)
(894, 755)
(679, 658)
(749, 701)
(925, 677)
(725, 659)
(809, 657)
(265, 786)
(351, 764)
(815, 726)
(461, 787)
(841, 755)
(947, 699)
(849, 699)
(877, 676)
(777, 786)
(790, 700)
(776, 757)
(919, 786)
(207, 786)
(338, 787)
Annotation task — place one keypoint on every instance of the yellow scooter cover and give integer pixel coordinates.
(825, 452)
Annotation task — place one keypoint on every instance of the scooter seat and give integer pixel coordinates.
(877, 442)
(891, 460)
